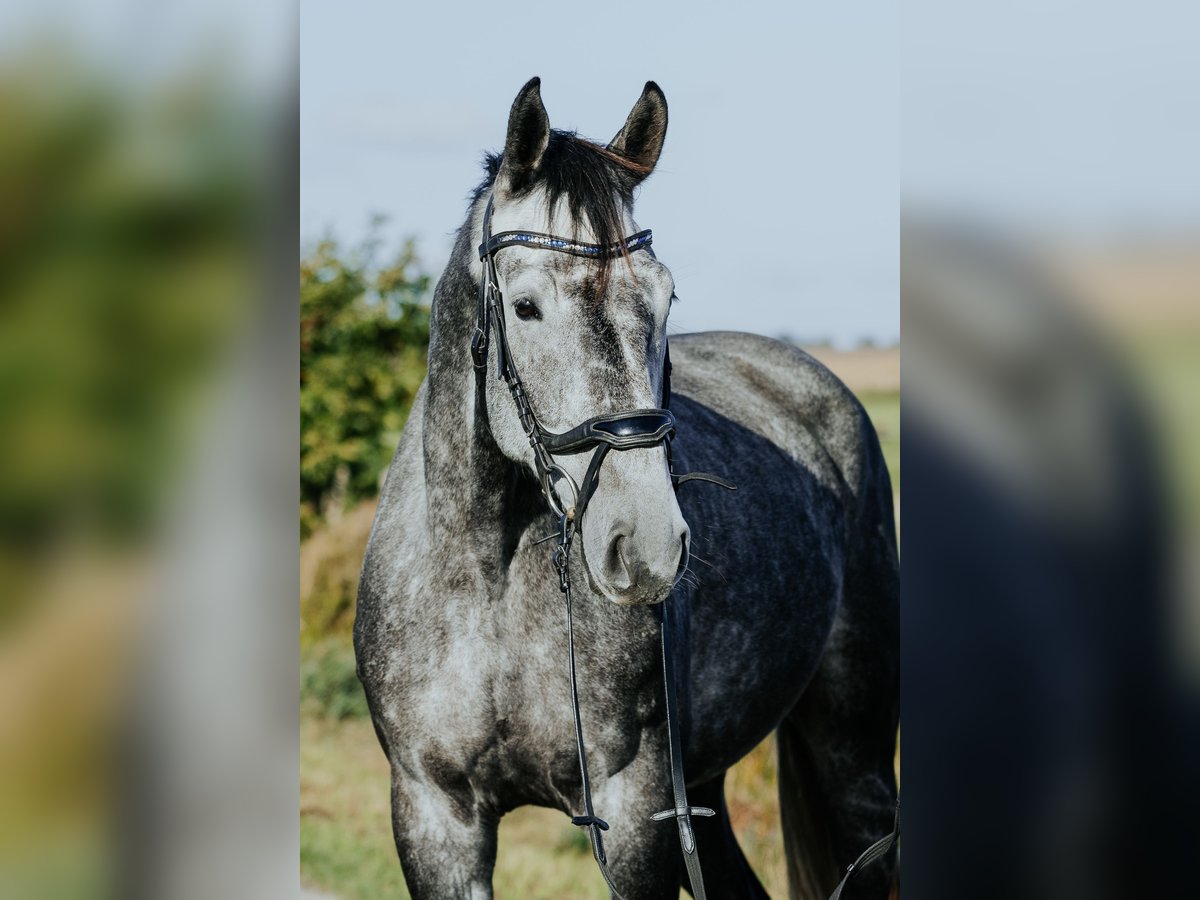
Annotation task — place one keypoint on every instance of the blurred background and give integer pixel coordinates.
(147, 445)
(1051, 319)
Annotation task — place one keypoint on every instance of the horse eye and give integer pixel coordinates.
(526, 309)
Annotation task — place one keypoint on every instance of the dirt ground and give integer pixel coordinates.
(868, 370)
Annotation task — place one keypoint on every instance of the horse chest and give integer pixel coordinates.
(524, 704)
(477, 697)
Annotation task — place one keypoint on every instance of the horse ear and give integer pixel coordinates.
(641, 140)
(528, 135)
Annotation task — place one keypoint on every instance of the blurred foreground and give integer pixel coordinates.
(147, 476)
(1052, 529)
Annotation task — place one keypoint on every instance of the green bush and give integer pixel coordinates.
(329, 684)
(364, 339)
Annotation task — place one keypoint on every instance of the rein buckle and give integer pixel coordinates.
(681, 812)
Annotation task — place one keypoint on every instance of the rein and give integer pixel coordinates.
(614, 431)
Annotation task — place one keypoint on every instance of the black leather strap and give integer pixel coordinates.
(704, 476)
(683, 811)
(483, 324)
(666, 376)
(876, 851)
(590, 480)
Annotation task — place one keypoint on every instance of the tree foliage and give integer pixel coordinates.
(364, 338)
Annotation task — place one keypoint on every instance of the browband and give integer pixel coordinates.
(538, 241)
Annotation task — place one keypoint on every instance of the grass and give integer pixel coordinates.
(329, 685)
(750, 793)
(345, 822)
(883, 407)
(1166, 369)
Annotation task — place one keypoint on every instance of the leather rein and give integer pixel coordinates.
(568, 501)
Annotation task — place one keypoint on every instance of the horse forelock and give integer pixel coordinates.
(594, 184)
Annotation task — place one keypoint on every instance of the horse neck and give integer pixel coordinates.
(477, 500)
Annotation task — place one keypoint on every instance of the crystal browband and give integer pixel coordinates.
(540, 241)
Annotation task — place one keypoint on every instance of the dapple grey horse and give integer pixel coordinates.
(785, 616)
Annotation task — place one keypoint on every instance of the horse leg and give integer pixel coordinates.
(727, 872)
(447, 848)
(837, 783)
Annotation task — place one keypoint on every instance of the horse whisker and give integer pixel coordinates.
(712, 566)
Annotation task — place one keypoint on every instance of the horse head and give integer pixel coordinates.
(586, 332)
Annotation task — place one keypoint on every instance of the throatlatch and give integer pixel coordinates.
(614, 431)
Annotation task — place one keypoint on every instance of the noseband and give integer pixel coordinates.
(612, 431)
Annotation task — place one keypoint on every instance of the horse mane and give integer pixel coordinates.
(596, 183)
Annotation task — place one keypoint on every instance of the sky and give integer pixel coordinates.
(798, 131)
(775, 201)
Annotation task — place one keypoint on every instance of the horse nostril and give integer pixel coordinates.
(638, 568)
(614, 559)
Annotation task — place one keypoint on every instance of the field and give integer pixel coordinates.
(346, 847)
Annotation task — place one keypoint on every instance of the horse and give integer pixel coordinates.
(783, 595)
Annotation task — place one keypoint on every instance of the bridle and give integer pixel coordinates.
(620, 431)
(613, 431)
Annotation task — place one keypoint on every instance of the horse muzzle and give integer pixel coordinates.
(634, 537)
